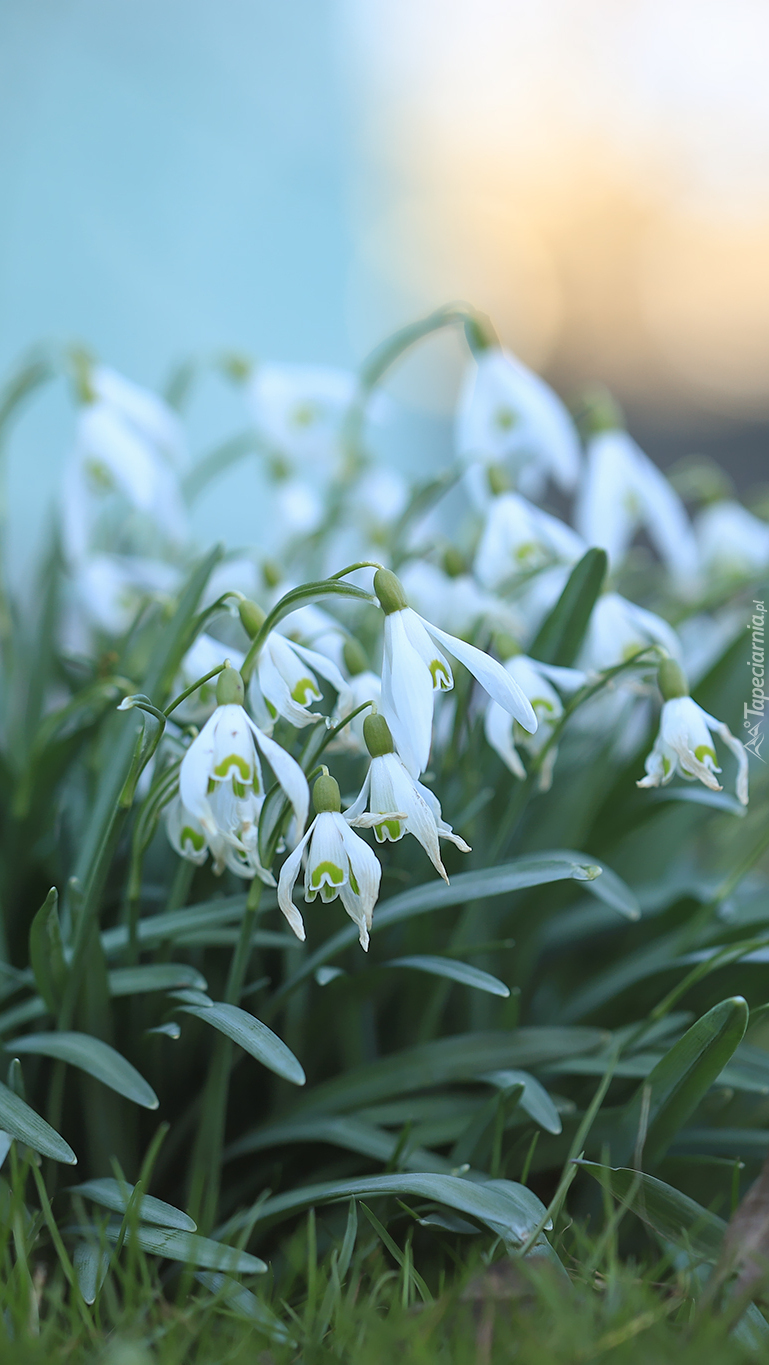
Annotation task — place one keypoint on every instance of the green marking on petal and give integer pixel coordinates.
(304, 691)
(389, 829)
(542, 704)
(326, 871)
(100, 476)
(211, 786)
(505, 419)
(440, 675)
(305, 414)
(191, 836)
(233, 761)
(353, 882)
(529, 549)
(273, 710)
(703, 752)
(239, 788)
(665, 766)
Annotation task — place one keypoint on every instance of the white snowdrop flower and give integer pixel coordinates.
(299, 507)
(505, 735)
(377, 499)
(508, 415)
(618, 629)
(732, 541)
(519, 537)
(622, 490)
(283, 681)
(315, 628)
(684, 742)
(299, 410)
(337, 863)
(455, 602)
(127, 442)
(190, 840)
(414, 668)
(220, 778)
(112, 588)
(202, 657)
(394, 803)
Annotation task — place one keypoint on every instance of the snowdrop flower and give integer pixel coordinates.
(299, 411)
(623, 490)
(504, 734)
(190, 840)
(508, 415)
(618, 629)
(684, 741)
(337, 863)
(314, 627)
(414, 668)
(455, 601)
(283, 682)
(389, 787)
(732, 542)
(127, 442)
(112, 588)
(203, 657)
(519, 537)
(220, 778)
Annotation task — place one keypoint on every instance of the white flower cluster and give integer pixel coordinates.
(480, 560)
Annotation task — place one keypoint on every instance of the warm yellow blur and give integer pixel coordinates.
(594, 173)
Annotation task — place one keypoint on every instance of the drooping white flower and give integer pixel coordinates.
(191, 841)
(299, 411)
(220, 778)
(622, 490)
(519, 537)
(389, 788)
(337, 863)
(732, 541)
(110, 589)
(618, 629)
(283, 682)
(505, 735)
(128, 442)
(413, 668)
(684, 742)
(455, 602)
(508, 415)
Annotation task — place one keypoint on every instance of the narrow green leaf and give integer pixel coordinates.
(110, 1194)
(562, 632)
(91, 1266)
(454, 970)
(534, 1099)
(242, 1301)
(21, 1121)
(155, 976)
(46, 952)
(351, 1134)
(671, 1214)
(191, 1249)
(95, 1057)
(680, 1080)
(252, 1035)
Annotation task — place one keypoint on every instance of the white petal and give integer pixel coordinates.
(365, 868)
(498, 729)
(288, 774)
(359, 804)
(195, 770)
(492, 677)
(288, 875)
(740, 753)
(407, 695)
(326, 869)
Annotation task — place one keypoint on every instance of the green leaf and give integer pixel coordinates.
(191, 1249)
(462, 1057)
(247, 1305)
(170, 927)
(155, 976)
(562, 632)
(92, 1055)
(608, 887)
(21, 1121)
(91, 1266)
(453, 970)
(671, 1214)
(534, 1099)
(519, 875)
(351, 1134)
(112, 1195)
(509, 1210)
(252, 1035)
(46, 952)
(680, 1080)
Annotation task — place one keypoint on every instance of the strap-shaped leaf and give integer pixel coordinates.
(350, 1133)
(46, 952)
(190, 1248)
(454, 970)
(252, 1035)
(95, 1057)
(534, 1097)
(154, 976)
(110, 1194)
(562, 632)
(91, 1265)
(673, 1215)
(21, 1121)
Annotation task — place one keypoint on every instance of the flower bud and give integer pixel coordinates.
(498, 480)
(354, 656)
(376, 733)
(389, 590)
(252, 617)
(672, 680)
(599, 412)
(453, 562)
(229, 687)
(326, 795)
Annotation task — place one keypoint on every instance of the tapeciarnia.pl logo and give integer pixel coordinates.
(754, 710)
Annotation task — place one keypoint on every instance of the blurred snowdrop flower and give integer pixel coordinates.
(618, 629)
(112, 588)
(299, 508)
(505, 735)
(127, 442)
(203, 656)
(283, 681)
(732, 541)
(314, 627)
(337, 863)
(455, 602)
(684, 743)
(220, 778)
(622, 490)
(414, 668)
(363, 685)
(190, 840)
(507, 415)
(377, 499)
(394, 803)
(519, 538)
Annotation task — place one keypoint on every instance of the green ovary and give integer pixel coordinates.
(304, 691)
(440, 675)
(191, 836)
(389, 829)
(233, 761)
(325, 871)
(704, 752)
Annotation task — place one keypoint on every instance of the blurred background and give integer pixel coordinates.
(294, 180)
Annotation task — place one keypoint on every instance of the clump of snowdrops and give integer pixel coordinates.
(402, 856)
